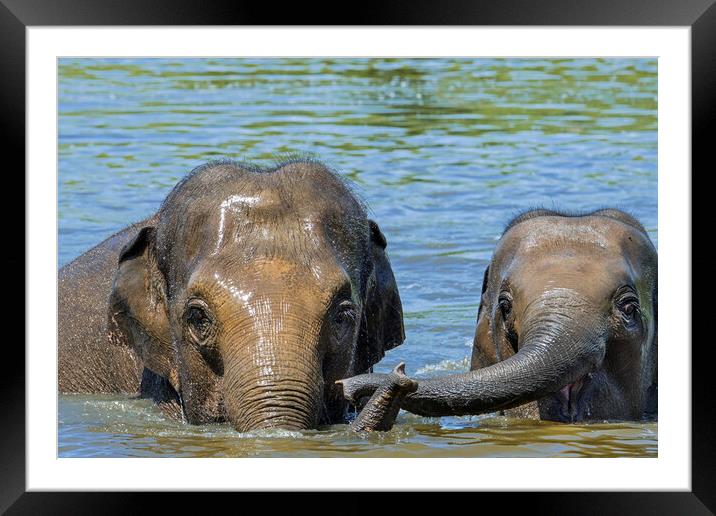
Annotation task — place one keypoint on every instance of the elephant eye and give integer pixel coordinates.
(198, 321)
(505, 305)
(629, 308)
(345, 319)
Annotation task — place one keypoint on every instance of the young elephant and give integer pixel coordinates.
(568, 318)
(244, 298)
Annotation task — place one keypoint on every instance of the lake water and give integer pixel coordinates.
(444, 151)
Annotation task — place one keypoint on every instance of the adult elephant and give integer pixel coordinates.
(244, 298)
(567, 318)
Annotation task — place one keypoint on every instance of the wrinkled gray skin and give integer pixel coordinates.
(383, 406)
(86, 362)
(567, 319)
(243, 299)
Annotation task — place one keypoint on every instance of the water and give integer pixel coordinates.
(445, 152)
(112, 426)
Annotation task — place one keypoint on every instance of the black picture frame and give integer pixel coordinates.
(17, 15)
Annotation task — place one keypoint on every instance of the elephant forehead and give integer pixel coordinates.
(240, 202)
(296, 236)
(599, 275)
(276, 200)
(588, 233)
(560, 277)
(552, 233)
(265, 220)
(246, 282)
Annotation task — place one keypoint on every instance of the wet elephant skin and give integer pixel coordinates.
(244, 298)
(566, 328)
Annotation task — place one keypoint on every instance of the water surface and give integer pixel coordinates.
(445, 152)
(112, 426)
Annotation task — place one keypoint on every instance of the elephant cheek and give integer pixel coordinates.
(484, 352)
(200, 392)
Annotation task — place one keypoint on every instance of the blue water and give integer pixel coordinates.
(444, 151)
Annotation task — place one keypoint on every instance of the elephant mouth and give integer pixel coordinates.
(570, 399)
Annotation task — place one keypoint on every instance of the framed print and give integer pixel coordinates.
(245, 226)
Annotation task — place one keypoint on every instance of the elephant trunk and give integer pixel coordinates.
(556, 350)
(274, 379)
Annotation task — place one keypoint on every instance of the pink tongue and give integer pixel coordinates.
(565, 391)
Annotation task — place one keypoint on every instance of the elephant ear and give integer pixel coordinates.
(483, 298)
(382, 324)
(137, 309)
(483, 349)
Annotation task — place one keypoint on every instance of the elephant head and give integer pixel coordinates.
(252, 291)
(568, 317)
